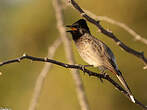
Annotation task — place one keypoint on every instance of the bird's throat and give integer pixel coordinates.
(76, 36)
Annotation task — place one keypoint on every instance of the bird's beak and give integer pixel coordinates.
(71, 27)
(68, 26)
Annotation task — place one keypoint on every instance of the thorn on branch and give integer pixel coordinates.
(118, 42)
(82, 14)
(45, 59)
(65, 65)
(109, 30)
(18, 60)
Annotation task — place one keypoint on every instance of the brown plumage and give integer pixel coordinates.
(95, 52)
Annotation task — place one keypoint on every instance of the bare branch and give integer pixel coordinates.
(122, 25)
(41, 77)
(109, 34)
(69, 55)
(90, 73)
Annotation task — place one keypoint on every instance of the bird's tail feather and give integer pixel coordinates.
(125, 85)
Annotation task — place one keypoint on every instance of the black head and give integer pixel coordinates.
(78, 29)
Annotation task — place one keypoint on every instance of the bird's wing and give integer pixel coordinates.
(107, 55)
(110, 64)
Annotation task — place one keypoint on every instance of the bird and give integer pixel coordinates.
(95, 52)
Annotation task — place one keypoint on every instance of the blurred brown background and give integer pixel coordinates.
(30, 26)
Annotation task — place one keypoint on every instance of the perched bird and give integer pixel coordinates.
(95, 52)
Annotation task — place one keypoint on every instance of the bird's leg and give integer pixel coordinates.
(83, 67)
(102, 69)
(101, 79)
(103, 72)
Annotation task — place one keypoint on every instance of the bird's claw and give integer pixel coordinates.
(105, 74)
(101, 80)
(83, 68)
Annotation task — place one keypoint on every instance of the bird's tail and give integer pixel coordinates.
(125, 85)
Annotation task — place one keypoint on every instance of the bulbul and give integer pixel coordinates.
(95, 52)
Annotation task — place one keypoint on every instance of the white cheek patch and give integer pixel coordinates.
(81, 31)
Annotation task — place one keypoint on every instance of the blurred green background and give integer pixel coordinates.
(30, 26)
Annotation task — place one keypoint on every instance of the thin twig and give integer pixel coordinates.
(41, 77)
(122, 25)
(109, 34)
(69, 55)
(79, 67)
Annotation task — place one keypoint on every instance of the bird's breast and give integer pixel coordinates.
(89, 52)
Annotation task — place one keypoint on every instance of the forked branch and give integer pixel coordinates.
(109, 34)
